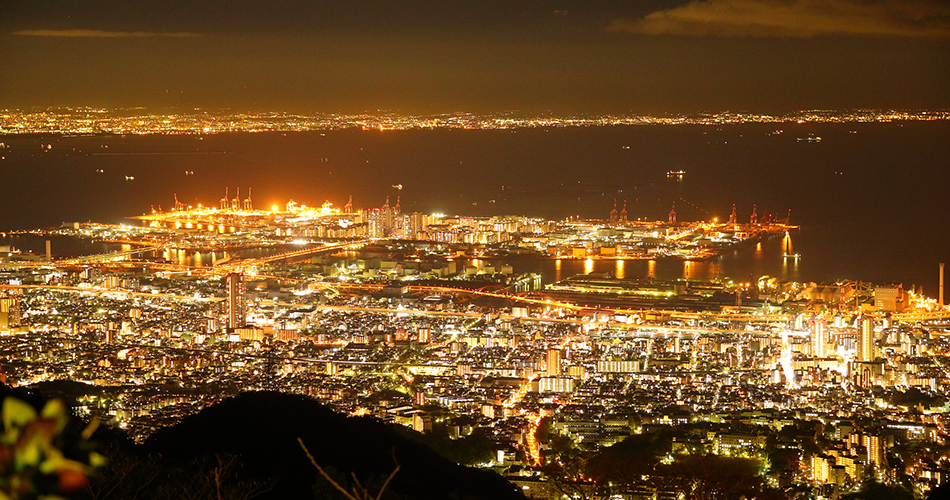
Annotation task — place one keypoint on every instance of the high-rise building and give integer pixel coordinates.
(10, 308)
(554, 362)
(866, 347)
(412, 225)
(819, 339)
(422, 335)
(237, 302)
(375, 223)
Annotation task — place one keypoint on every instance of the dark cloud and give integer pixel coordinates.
(79, 33)
(453, 55)
(795, 18)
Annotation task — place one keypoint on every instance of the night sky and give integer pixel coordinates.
(412, 56)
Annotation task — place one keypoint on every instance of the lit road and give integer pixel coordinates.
(533, 449)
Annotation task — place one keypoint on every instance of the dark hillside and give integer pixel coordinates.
(261, 429)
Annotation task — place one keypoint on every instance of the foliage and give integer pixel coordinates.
(627, 461)
(33, 463)
(470, 450)
(712, 476)
(647, 461)
(324, 490)
(129, 476)
(565, 469)
(358, 491)
(914, 396)
(873, 490)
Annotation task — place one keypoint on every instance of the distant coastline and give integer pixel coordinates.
(91, 121)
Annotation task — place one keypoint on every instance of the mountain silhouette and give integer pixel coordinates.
(261, 429)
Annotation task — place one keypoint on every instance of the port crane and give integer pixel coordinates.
(247, 201)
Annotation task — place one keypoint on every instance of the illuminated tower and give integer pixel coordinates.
(247, 201)
(732, 217)
(397, 210)
(348, 208)
(387, 215)
(613, 212)
(866, 348)
(225, 201)
(179, 206)
(236, 202)
(554, 362)
(375, 220)
(623, 213)
(754, 218)
(237, 304)
(673, 213)
(940, 292)
(819, 339)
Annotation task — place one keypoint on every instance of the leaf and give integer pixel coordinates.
(16, 413)
(35, 441)
(72, 474)
(55, 409)
(97, 460)
(70, 480)
(54, 460)
(28, 454)
(90, 429)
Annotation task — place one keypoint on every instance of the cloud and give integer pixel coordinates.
(796, 18)
(103, 34)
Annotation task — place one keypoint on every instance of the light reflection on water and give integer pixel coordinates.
(746, 264)
(192, 258)
(208, 259)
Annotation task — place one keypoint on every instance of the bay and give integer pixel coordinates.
(869, 197)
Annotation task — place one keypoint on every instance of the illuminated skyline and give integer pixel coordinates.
(85, 120)
(565, 258)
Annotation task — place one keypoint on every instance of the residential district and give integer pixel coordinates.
(423, 321)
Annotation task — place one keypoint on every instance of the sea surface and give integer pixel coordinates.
(870, 197)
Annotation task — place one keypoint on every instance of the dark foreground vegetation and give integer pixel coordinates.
(247, 447)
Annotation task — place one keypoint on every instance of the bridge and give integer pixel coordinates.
(294, 254)
(111, 256)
